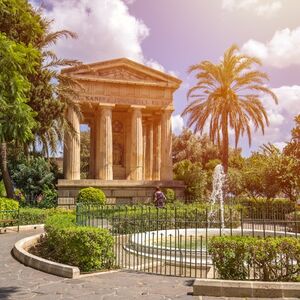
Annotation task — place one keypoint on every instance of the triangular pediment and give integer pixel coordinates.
(121, 70)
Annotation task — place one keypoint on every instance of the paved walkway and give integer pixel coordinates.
(20, 282)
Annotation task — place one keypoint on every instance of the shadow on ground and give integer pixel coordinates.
(5, 292)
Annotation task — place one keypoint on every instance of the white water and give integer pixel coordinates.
(217, 194)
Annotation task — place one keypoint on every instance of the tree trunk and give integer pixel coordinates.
(5, 173)
(225, 144)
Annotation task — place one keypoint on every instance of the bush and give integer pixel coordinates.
(29, 216)
(194, 177)
(269, 259)
(2, 189)
(33, 176)
(85, 247)
(91, 195)
(184, 216)
(8, 204)
(20, 197)
(293, 221)
(263, 208)
(170, 195)
(48, 199)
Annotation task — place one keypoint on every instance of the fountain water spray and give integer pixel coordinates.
(217, 194)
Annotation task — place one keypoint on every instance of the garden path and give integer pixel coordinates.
(20, 282)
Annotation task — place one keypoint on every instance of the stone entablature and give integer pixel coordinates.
(128, 107)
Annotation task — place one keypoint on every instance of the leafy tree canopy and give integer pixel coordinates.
(20, 22)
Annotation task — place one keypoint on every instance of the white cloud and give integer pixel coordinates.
(177, 124)
(281, 116)
(105, 29)
(259, 7)
(155, 65)
(279, 145)
(281, 51)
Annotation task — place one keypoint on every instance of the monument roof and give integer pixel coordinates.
(122, 70)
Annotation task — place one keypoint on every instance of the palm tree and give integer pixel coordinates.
(52, 93)
(227, 95)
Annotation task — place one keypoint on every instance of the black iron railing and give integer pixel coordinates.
(175, 240)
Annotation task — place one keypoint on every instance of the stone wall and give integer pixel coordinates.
(116, 191)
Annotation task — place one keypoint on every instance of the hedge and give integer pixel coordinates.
(269, 259)
(91, 195)
(263, 208)
(12, 206)
(293, 221)
(184, 216)
(88, 248)
(28, 216)
(8, 204)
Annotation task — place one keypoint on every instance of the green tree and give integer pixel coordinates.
(20, 22)
(33, 177)
(193, 147)
(194, 178)
(16, 117)
(50, 92)
(293, 147)
(259, 176)
(227, 95)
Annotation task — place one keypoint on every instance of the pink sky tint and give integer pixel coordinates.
(174, 34)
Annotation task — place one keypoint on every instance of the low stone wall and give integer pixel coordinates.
(116, 191)
(251, 289)
(21, 254)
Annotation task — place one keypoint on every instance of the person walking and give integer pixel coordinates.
(159, 198)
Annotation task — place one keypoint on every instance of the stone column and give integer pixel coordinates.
(92, 150)
(104, 146)
(149, 151)
(71, 163)
(136, 162)
(156, 149)
(144, 127)
(166, 146)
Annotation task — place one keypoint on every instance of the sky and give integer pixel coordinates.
(171, 35)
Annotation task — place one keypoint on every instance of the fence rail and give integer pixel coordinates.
(175, 240)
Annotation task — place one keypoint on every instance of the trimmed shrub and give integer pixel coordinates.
(170, 195)
(91, 195)
(8, 204)
(293, 221)
(263, 208)
(269, 259)
(183, 216)
(29, 216)
(2, 189)
(85, 247)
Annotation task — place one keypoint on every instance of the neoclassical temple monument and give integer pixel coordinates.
(128, 108)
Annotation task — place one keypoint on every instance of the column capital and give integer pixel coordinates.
(168, 110)
(102, 105)
(137, 107)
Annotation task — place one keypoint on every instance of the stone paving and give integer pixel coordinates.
(20, 282)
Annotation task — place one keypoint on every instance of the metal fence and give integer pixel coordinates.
(175, 240)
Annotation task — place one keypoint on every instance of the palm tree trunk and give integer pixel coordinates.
(5, 173)
(225, 144)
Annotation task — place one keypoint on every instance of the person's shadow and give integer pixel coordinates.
(5, 292)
